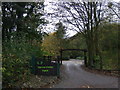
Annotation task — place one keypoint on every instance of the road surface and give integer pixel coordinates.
(76, 77)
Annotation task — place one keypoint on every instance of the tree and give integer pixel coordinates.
(113, 6)
(75, 42)
(60, 34)
(51, 44)
(14, 20)
(86, 18)
(21, 39)
(109, 43)
(55, 41)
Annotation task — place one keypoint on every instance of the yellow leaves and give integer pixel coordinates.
(51, 44)
(52, 34)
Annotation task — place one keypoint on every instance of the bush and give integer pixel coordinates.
(109, 44)
(80, 58)
(65, 58)
(15, 61)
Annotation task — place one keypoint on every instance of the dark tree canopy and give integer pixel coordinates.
(21, 17)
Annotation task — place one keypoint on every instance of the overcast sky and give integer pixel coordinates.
(51, 27)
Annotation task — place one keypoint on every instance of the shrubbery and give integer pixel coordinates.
(16, 57)
(109, 44)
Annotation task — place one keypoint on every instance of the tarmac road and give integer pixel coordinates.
(76, 77)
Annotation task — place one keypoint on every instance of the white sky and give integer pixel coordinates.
(50, 27)
(117, 0)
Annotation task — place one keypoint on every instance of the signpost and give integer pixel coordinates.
(51, 69)
(45, 66)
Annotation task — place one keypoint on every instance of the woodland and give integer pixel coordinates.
(23, 36)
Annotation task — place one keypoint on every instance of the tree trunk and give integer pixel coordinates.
(93, 49)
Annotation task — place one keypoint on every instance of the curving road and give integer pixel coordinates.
(76, 77)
